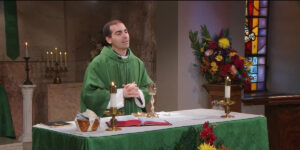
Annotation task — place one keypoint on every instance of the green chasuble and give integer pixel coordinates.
(6, 126)
(107, 67)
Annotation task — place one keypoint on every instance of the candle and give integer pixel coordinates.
(26, 49)
(51, 53)
(113, 93)
(65, 59)
(227, 87)
(47, 57)
(56, 54)
(60, 59)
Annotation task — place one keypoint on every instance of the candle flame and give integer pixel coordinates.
(55, 48)
(112, 83)
(65, 53)
(60, 53)
(26, 44)
(51, 53)
(47, 52)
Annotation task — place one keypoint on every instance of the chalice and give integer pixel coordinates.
(152, 91)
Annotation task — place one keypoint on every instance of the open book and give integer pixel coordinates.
(127, 121)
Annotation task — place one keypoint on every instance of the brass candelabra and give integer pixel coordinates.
(152, 89)
(55, 67)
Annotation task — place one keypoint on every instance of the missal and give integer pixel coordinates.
(56, 124)
(127, 121)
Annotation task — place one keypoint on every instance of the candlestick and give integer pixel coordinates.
(27, 81)
(113, 92)
(26, 49)
(227, 87)
(56, 54)
(51, 53)
(65, 59)
(60, 59)
(47, 57)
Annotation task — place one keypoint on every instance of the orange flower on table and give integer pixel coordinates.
(214, 66)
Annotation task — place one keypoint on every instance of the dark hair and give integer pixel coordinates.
(106, 30)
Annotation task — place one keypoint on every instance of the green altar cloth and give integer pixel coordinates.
(245, 134)
(6, 126)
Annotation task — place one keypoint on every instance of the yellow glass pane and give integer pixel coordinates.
(254, 43)
(255, 24)
(256, 8)
(253, 86)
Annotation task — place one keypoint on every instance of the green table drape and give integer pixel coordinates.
(246, 134)
(6, 126)
(11, 29)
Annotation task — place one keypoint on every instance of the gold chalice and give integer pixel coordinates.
(152, 89)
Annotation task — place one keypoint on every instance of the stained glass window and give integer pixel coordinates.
(256, 33)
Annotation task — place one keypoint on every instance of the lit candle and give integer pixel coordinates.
(113, 93)
(47, 57)
(227, 87)
(56, 54)
(65, 59)
(60, 59)
(26, 49)
(51, 53)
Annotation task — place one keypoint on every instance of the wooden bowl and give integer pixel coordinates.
(84, 125)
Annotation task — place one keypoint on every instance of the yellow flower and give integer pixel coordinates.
(224, 43)
(214, 67)
(205, 146)
(232, 54)
(202, 49)
(219, 58)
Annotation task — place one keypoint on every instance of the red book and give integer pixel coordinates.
(127, 121)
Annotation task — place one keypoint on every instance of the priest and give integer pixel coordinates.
(117, 63)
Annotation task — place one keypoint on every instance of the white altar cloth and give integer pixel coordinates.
(176, 118)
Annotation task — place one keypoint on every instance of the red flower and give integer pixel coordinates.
(213, 45)
(225, 69)
(244, 74)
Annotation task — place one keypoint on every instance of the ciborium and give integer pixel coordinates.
(152, 89)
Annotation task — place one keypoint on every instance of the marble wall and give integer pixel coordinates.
(68, 25)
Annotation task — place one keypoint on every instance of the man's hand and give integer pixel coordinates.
(131, 90)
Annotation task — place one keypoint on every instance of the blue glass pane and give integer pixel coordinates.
(261, 42)
(263, 12)
(260, 86)
(262, 32)
(254, 60)
(263, 3)
(262, 23)
(262, 50)
(261, 73)
(254, 77)
(261, 60)
(253, 69)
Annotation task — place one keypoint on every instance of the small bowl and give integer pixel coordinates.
(83, 125)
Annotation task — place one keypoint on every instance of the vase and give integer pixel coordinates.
(216, 92)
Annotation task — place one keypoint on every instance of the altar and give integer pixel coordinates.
(245, 131)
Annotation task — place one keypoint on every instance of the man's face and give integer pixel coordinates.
(119, 39)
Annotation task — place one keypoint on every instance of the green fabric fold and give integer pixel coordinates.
(6, 125)
(11, 29)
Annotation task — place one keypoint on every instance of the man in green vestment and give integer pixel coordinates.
(116, 62)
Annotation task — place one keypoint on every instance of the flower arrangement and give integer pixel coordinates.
(207, 139)
(218, 59)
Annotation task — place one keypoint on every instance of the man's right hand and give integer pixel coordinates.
(131, 90)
